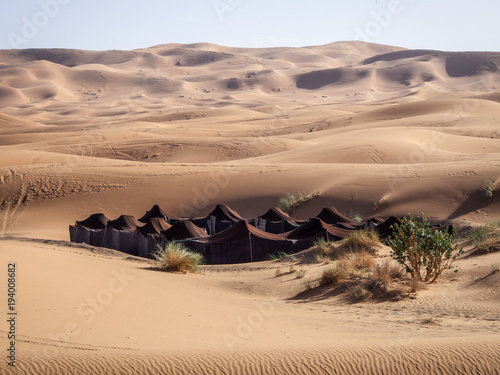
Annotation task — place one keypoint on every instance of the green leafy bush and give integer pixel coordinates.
(425, 253)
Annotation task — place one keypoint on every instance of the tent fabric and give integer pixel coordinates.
(241, 243)
(157, 212)
(224, 212)
(124, 222)
(83, 234)
(94, 221)
(384, 229)
(315, 229)
(261, 224)
(96, 237)
(155, 225)
(276, 221)
(330, 215)
(73, 233)
(276, 214)
(183, 230)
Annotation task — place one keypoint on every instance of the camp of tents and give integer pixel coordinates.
(223, 236)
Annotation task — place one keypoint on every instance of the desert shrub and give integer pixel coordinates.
(292, 269)
(308, 284)
(277, 255)
(324, 248)
(278, 272)
(334, 274)
(300, 274)
(424, 253)
(363, 259)
(176, 257)
(485, 238)
(488, 188)
(387, 271)
(322, 259)
(361, 240)
(291, 202)
(361, 294)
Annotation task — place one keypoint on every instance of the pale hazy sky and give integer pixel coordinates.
(128, 24)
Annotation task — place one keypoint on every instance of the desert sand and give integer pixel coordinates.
(375, 130)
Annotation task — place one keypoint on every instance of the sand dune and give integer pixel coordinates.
(375, 130)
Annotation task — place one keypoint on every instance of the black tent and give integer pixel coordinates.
(121, 233)
(242, 243)
(94, 221)
(183, 230)
(384, 229)
(330, 215)
(157, 212)
(221, 218)
(124, 222)
(275, 221)
(90, 231)
(315, 229)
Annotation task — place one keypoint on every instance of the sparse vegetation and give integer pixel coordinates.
(322, 259)
(176, 257)
(387, 271)
(485, 238)
(291, 202)
(292, 269)
(308, 284)
(364, 260)
(277, 255)
(361, 240)
(361, 294)
(324, 248)
(300, 274)
(424, 253)
(431, 321)
(334, 274)
(495, 268)
(488, 188)
(278, 272)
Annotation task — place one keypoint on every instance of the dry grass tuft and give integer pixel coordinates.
(486, 238)
(278, 272)
(360, 294)
(176, 257)
(361, 240)
(322, 259)
(300, 274)
(324, 248)
(292, 269)
(363, 260)
(387, 271)
(495, 268)
(336, 273)
(291, 202)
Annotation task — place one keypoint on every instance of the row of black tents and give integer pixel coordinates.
(223, 236)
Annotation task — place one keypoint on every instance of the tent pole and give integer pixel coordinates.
(251, 252)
